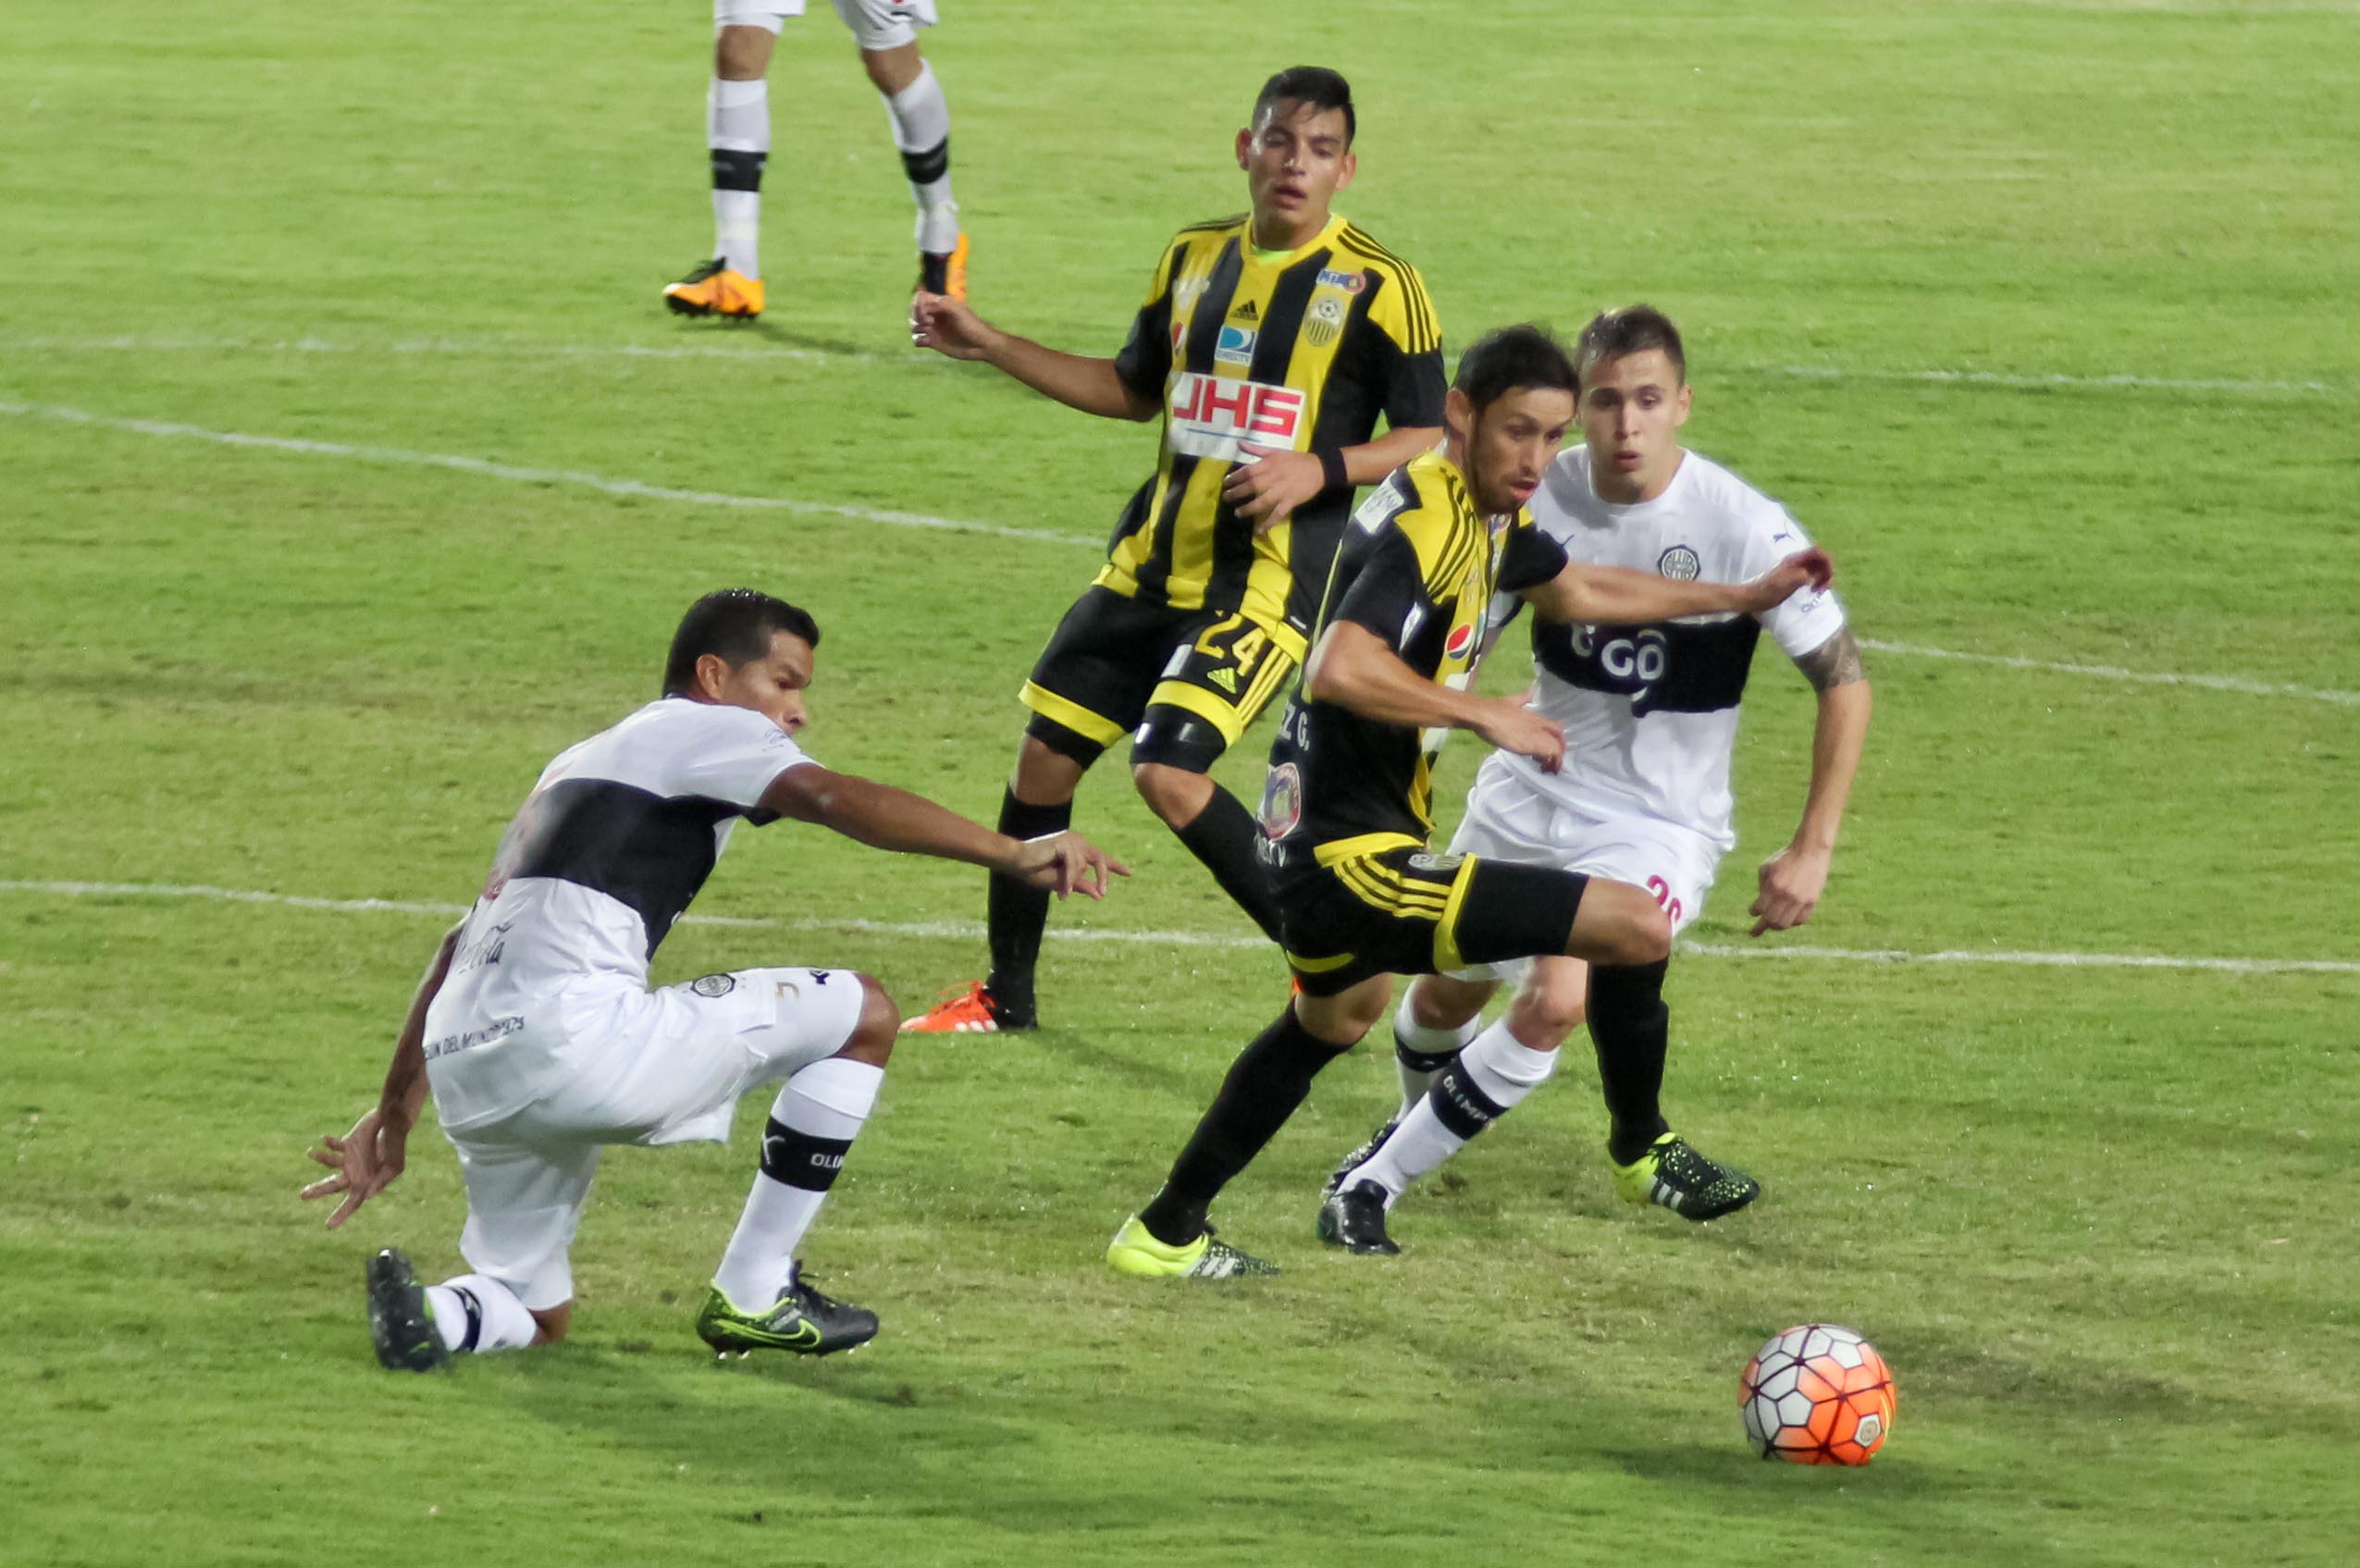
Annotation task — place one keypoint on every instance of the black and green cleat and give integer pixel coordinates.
(802, 1321)
(1673, 1175)
(400, 1323)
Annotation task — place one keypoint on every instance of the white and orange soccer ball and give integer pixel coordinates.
(1817, 1395)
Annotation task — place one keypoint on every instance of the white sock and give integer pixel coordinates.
(818, 1112)
(1411, 1035)
(737, 128)
(1497, 1069)
(922, 131)
(503, 1322)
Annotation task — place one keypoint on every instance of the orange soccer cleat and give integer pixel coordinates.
(963, 1009)
(713, 289)
(943, 275)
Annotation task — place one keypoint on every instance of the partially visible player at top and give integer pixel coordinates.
(1270, 344)
(1650, 717)
(737, 127)
(537, 1033)
(1348, 803)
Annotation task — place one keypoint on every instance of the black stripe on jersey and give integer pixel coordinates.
(1154, 574)
(1670, 667)
(1233, 543)
(1424, 332)
(648, 851)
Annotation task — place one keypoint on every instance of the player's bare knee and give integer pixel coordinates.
(1173, 793)
(877, 1028)
(1043, 775)
(1646, 938)
(551, 1324)
(1620, 924)
(1547, 1013)
(1438, 1002)
(891, 70)
(742, 54)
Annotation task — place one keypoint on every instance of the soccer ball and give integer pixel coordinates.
(1817, 1395)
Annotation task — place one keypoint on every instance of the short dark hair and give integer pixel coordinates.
(1524, 356)
(734, 626)
(1633, 330)
(1314, 85)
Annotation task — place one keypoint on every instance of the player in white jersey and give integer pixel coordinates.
(536, 1031)
(1650, 717)
(737, 130)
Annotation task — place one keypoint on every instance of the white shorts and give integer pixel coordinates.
(875, 24)
(647, 1067)
(1509, 820)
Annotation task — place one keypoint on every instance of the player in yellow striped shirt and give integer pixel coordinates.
(1269, 345)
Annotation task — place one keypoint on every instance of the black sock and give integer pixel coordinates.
(1015, 915)
(1631, 1027)
(1222, 837)
(1269, 1078)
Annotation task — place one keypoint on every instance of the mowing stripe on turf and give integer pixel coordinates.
(760, 347)
(607, 484)
(973, 931)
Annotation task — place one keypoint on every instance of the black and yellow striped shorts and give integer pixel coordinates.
(1113, 662)
(1404, 912)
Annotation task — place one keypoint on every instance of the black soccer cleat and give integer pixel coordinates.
(1355, 1220)
(802, 1321)
(400, 1323)
(1360, 1157)
(1673, 1175)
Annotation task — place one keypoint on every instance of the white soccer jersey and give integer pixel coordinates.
(618, 836)
(1650, 712)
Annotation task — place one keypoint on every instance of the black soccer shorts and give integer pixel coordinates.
(1188, 680)
(1404, 912)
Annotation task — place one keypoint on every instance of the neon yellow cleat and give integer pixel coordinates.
(1673, 1175)
(1134, 1251)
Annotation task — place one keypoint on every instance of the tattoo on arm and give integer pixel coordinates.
(1834, 662)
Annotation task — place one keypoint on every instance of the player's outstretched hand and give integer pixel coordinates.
(1805, 568)
(1792, 881)
(1512, 726)
(1268, 484)
(947, 326)
(1064, 863)
(365, 1161)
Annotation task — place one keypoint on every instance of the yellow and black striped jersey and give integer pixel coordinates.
(1302, 349)
(1419, 568)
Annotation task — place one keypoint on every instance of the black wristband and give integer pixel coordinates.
(1331, 466)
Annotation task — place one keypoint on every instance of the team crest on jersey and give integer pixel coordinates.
(1326, 320)
(713, 984)
(1679, 563)
(1350, 282)
(1281, 801)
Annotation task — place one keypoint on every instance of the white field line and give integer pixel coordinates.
(2042, 381)
(485, 468)
(606, 485)
(973, 931)
(527, 348)
(2116, 673)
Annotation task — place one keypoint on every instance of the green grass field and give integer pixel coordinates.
(2039, 314)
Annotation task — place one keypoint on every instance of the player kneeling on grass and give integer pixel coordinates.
(1650, 717)
(1347, 807)
(538, 1034)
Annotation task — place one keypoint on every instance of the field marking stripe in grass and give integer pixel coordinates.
(605, 485)
(973, 931)
(485, 468)
(2116, 673)
(760, 349)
